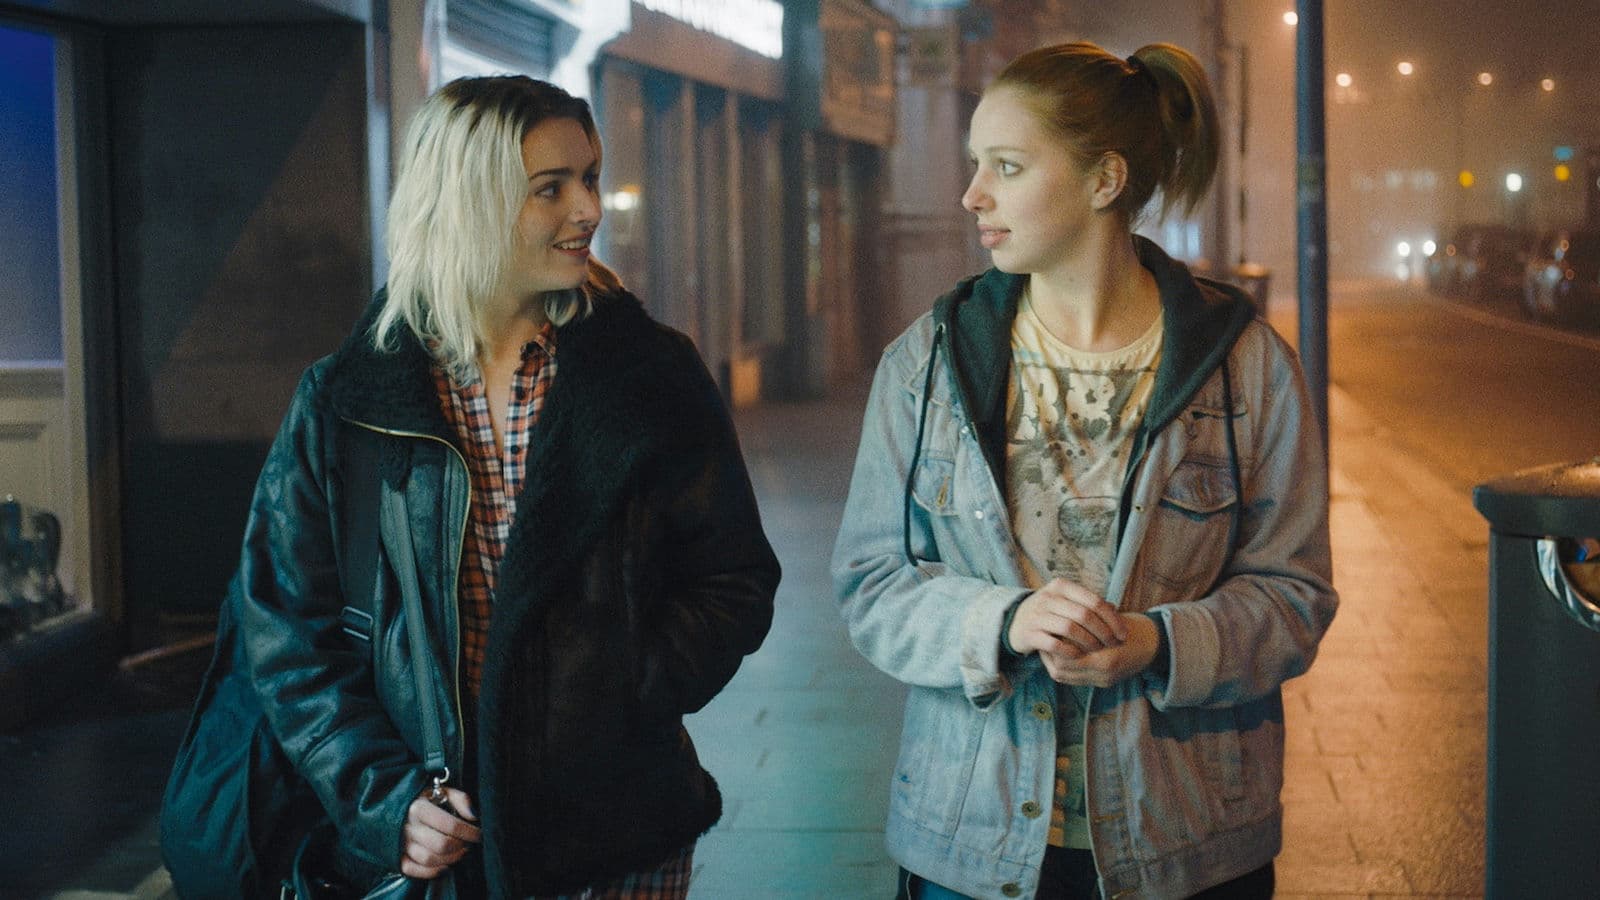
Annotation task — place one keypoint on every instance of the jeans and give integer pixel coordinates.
(1069, 875)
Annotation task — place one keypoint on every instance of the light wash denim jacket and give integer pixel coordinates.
(1184, 766)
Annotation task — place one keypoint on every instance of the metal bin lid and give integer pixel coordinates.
(1561, 500)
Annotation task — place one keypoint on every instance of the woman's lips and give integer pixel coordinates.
(991, 238)
(577, 247)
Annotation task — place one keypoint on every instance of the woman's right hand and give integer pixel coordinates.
(1065, 618)
(435, 837)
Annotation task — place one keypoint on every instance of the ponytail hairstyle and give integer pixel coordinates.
(460, 188)
(1154, 109)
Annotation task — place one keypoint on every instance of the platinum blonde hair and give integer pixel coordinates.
(460, 188)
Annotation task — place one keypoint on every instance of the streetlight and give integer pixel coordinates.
(1548, 85)
(1485, 79)
(1291, 18)
(1343, 79)
(1406, 68)
(1516, 202)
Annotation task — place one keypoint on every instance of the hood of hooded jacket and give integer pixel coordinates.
(1201, 320)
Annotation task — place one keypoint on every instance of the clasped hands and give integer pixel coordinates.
(1080, 638)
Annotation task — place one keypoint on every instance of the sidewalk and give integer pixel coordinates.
(1384, 791)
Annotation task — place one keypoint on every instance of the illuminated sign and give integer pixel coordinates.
(754, 24)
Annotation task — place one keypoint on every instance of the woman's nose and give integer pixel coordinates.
(586, 208)
(977, 196)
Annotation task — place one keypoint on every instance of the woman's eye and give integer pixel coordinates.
(592, 181)
(548, 191)
(1007, 168)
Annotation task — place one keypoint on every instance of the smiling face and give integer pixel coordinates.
(550, 251)
(1033, 200)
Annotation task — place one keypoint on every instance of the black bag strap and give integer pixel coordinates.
(397, 540)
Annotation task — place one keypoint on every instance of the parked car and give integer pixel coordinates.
(1561, 280)
(1491, 264)
(1443, 267)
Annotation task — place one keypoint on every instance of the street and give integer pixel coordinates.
(1474, 390)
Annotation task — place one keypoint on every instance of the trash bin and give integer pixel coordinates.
(1544, 682)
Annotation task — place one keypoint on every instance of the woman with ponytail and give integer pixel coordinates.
(1088, 525)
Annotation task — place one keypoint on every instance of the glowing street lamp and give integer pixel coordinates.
(1513, 182)
(1405, 67)
(1291, 18)
(1548, 85)
(1485, 79)
(1343, 79)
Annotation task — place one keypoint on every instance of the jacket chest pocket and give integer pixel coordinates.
(933, 486)
(1192, 526)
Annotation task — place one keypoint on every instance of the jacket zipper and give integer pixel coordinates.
(455, 586)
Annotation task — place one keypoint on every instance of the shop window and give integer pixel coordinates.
(42, 489)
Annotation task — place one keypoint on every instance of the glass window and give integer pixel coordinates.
(30, 288)
(43, 549)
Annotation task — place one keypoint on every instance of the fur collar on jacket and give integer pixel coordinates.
(628, 392)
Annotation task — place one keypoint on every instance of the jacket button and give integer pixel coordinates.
(1041, 711)
(1031, 809)
(1011, 889)
(977, 514)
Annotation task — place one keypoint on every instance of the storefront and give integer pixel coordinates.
(48, 589)
(188, 225)
(742, 182)
(690, 103)
(844, 158)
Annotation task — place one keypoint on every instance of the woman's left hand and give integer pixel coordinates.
(1109, 665)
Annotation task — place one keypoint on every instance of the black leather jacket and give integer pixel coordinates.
(635, 579)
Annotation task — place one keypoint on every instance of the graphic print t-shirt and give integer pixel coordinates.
(1071, 419)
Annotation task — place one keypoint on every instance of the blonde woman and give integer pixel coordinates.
(553, 478)
(1088, 522)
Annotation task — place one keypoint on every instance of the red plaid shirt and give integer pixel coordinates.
(496, 479)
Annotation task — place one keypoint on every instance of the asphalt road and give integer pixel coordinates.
(1474, 389)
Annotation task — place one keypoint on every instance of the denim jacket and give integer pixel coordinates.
(1223, 536)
